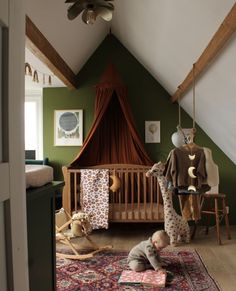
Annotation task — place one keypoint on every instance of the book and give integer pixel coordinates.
(145, 278)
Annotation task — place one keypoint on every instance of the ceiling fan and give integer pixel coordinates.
(91, 9)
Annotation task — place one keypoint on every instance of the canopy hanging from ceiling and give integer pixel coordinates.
(112, 138)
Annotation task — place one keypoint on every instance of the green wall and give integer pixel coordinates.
(148, 101)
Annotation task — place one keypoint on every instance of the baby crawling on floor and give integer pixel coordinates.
(145, 255)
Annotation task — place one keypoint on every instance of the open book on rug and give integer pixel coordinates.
(146, 278)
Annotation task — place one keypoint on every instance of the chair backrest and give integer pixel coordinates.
(61, 218)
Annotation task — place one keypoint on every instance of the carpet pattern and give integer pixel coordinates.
(103, 271)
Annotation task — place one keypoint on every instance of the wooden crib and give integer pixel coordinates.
(137, 200)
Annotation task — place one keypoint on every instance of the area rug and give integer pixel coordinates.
(103, 271)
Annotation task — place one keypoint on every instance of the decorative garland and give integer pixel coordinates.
(32, 72)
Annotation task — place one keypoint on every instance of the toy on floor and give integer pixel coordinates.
(80, 224)
(175, 225)
(68, 228)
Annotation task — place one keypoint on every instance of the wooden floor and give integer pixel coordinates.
(220, 260)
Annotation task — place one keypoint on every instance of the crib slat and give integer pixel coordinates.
(151, 196)
(139, 217)
(75, 191)
(158, 198)
(132, 194)
(126, 193)
(69, 191)
(112, 198)
(119, 198)
(145, 195)
(66, 195)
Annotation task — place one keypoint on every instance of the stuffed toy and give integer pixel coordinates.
(175, 225)
(80, 225)
(115, 183)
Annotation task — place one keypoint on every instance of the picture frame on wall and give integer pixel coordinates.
(68, 127)
(152, 132)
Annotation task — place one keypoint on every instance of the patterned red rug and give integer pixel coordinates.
(103, 271)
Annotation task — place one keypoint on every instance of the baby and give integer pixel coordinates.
(145, 255)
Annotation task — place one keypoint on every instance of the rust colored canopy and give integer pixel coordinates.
(113, 138)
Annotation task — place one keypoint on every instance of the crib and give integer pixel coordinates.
(137, 200)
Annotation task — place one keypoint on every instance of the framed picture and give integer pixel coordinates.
(68, 127)
(152, 132)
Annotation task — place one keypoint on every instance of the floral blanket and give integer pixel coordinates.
(94, 191)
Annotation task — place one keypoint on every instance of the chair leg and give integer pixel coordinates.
(208, 205)
(194, 230)
(226, 218)
(207, 224)
(217, 221)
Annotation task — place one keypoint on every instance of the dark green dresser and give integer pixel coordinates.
(41, 236)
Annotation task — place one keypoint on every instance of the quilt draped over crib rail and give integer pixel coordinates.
(94, 194)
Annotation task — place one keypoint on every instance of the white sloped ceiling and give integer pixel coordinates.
(73, 40)
(167, 37)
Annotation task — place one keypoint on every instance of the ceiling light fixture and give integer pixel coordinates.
(89, 16)
(91, 9)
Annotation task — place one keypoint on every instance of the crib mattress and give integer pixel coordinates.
(38, 175)
(136, 213)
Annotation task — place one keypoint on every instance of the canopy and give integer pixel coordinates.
(112, 138)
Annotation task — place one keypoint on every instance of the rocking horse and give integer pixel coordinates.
(75, 226)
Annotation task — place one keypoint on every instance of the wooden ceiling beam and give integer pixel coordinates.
(222, 35)
(40, 46)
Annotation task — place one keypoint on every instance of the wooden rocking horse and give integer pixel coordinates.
(70, 227)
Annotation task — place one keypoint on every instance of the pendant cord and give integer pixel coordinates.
(179, 114)
(194, 110)
(194, 97)
(179, 127)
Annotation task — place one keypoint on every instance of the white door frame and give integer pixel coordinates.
(12, 172)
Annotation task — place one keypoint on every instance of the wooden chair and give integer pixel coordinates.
(215, 204)
(65, 235)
